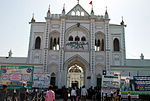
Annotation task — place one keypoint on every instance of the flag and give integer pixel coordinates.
(90, 3)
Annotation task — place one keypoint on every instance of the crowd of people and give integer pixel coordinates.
(73, 93)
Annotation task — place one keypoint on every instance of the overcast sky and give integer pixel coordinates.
(15, 16)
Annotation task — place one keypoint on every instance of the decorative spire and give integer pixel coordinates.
(48, 12)
(77, 1)
(142, 56)
(92, 11)
(122, 22)
(106, 14)
(63, 11)
(64, 7)
(49, 9)
(33, 20)
(10, 53)
(106, 11)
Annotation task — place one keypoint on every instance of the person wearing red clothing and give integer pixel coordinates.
(50, 95)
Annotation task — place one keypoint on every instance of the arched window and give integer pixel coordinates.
(70, 38)
(116, 45)
(72, 13)
(98, 43)
(78, 13)
(77, 38)
(37, 43)
(102, 45)
(51, 43)
(83, 39)
(55, 43)
(82, 13)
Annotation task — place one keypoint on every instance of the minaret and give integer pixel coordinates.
(48, 12)
(10, 53)
(32, 20)
(92, 11)
(63, 11)
(106, 14)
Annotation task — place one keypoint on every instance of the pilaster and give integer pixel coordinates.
(107, 44)
(124, 48)
(92, 51)
(46, 45)
(61, 55)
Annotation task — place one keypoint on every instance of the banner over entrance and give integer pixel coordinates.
(13, 76)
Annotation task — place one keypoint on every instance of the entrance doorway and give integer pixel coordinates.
(75, 76)
(74, 84)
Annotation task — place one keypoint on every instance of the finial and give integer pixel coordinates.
(49, 9)
(142, 56)
(106, 11)
(106, 14)
(33, 15)
(64, 7)
(32, 20)
(92, 11)
(10, 53)
(78, 1)
(122, 22)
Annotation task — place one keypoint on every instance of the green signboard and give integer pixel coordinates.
(136, 92)
(14, 76)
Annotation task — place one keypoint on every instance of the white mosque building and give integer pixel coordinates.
(75, 47)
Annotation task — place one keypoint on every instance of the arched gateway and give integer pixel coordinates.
(76, 69)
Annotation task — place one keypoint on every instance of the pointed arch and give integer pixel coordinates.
(116, 44)
(83, 39)
(37, 43)
(70, 38)
(54, 40)
(53, 79)
(77, 57)
(77, 38)
(53, 74)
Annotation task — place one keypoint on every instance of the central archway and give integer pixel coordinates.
(76, 70)
(75, 76)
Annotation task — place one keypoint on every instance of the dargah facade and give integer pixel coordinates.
(75, 47)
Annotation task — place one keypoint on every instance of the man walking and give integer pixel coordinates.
(83, 93)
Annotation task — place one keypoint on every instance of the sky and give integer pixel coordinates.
(15, 16)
